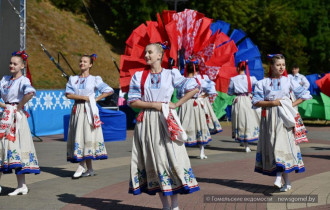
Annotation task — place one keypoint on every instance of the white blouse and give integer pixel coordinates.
(301, 79)
(13, 91)
(159, 87)
(207, 86)
(239, 84)
(85, 86)
(271, 89)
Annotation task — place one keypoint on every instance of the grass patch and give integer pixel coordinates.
(63, 31)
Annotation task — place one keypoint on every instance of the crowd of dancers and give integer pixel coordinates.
(262, 110)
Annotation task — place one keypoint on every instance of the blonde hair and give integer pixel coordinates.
(159, 47)
(275, 58)
(272, 61)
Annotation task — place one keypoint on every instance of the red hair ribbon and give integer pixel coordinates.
(165, 45)
(270, 56)
(93, 57)
(194, 62)
(243, 64)
(24, 56)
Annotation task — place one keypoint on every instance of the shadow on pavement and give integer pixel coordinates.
(226, 149)
(321, 148)
(255, 143)
(97, 203)
(238, 184)
(57, 171)
(327, 157)
(6, 190)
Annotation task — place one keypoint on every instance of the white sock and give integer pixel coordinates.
(164, 200)
(174, 202)
(201, 147)
(278, 179)
(286, 178)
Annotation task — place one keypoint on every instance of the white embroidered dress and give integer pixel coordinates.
(85, 137)
(16, 150)
(245, 120)
(193, 118)
(208, 87)
(158, 164)
(277, 150)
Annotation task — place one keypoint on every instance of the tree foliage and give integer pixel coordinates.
(299, 29)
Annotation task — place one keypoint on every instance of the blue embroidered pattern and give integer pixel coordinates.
(155, 81)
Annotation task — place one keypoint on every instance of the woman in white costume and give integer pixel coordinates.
(159, 163)
(278, 152)
(192, 114)
(245, 120)
(207, 98)
(16, 144)
(85, 138)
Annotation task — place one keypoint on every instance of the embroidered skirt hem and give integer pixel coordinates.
(277, 150)
(213, 124)
(19, 155)
(84, 141)
(193, 120)
(159, 164)
(245, 120)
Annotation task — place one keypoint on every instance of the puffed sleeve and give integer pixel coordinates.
(69, 86)
(209, 88)
(101, 86)
(299, 91)
(258, 94)
(306, 82)
(182, 84)
(134, 92)
(1, 85)
(26, 87)
(253, 82)
(231, 89)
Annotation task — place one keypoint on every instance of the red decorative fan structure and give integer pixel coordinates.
(188, 35)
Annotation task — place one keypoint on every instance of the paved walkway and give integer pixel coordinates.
(228, 172)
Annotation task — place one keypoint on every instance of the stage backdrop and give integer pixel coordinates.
(50, 109)
(46, 111)
(9, 33)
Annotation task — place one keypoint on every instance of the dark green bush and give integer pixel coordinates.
(75, 6)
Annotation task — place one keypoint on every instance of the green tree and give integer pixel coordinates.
(118, 18)
(71, 5)
(299, 29)
(313, 20)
